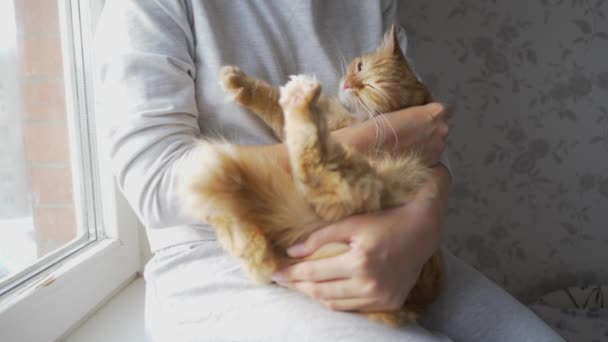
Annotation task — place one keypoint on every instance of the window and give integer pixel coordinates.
(66, 238)
(45, 177)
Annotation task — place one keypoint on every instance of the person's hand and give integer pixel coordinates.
(387, 252)
(422, 128)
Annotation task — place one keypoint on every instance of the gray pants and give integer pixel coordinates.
(196, 292)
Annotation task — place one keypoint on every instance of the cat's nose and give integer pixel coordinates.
(346, 85)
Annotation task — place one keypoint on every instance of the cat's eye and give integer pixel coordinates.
(359, 66)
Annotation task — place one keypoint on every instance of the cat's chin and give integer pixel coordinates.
(348, 102)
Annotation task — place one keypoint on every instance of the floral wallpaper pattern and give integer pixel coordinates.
(529, 136)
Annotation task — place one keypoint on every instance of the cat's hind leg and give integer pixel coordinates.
(248, 243)
(336, 181)
(219, 185)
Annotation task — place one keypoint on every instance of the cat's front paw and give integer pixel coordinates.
(300, 92)
(235, 82)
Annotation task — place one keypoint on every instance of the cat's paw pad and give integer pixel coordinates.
(300, 91)
(235, 82)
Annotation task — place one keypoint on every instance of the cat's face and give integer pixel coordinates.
(381, 82)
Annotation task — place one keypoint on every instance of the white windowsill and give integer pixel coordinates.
(120, 319)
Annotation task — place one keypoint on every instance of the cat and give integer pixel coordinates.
(258, 209)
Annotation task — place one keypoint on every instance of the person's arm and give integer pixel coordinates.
(388, 248)
(145, 69)
(423, 128)
(387, 251)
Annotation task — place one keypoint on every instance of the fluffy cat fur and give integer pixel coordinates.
(259, 210)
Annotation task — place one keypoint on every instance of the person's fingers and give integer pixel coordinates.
(436, 110)
(330, 290)
(444, 130)
(337, 267)
(440, 149)
(340, 231)
(450, 109)
(433, 109)
(351, 304)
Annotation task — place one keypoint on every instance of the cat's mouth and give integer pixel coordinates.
(352, 103)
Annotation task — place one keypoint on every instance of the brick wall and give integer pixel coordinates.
(44, 122)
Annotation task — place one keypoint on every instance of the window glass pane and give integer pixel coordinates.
(38, 215)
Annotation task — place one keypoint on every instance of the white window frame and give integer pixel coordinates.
(50, 305)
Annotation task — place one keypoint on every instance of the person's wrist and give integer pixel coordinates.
(356, 136)
(437, 187)
(423, 230)
(430, 203)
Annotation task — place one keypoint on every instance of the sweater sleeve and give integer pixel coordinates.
(145, 71)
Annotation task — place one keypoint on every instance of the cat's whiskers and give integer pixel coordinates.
(388, 123)
(379, 132)
(378, 114)
(383, 95)
(343, 62)
(342, 65)
(372, 114)
(346, 99)
(357, 105)
(359, 108)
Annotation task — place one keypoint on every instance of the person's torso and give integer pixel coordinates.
(271, 40)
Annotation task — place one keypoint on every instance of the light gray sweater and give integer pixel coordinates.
(157, 65)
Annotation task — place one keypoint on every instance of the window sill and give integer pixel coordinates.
(57, 302)
(120, 319)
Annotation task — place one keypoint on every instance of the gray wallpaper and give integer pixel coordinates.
(529, 138)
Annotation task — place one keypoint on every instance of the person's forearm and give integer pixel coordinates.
(411, 126)
(438, 187)
(350, 136)
(432, 200)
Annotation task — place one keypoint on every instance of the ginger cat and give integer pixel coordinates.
(259, 210)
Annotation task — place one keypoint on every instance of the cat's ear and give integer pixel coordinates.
(391, 42)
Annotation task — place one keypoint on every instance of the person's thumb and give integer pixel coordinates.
(337, 232)
(436, 110)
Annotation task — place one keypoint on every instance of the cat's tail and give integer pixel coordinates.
(202, 175)
(219, 179)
